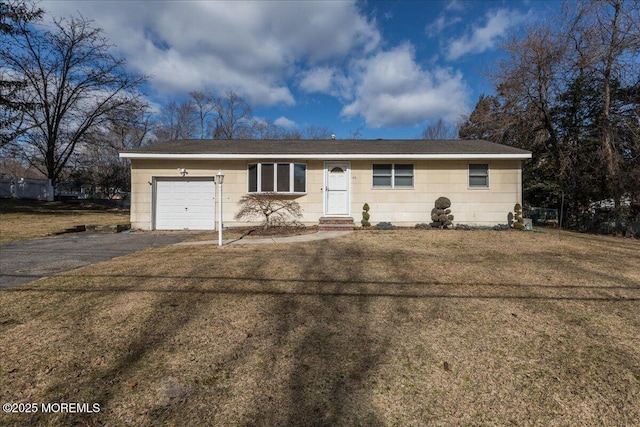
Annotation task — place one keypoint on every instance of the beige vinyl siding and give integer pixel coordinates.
(235, 186)
(401, 206)
(435, 178)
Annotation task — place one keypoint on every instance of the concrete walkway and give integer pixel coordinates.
(320, 235)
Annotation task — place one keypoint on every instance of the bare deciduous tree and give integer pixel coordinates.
(97, 165)
(177, 121)
(205, 104)
(570, 94)
(233, 118)
(73, 81)
(272, 208)
(316, 132)
(440, 130)
(606, 36)
(357, 132)
(266, 129)
(128, 128)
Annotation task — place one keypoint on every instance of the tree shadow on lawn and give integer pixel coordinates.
(592, 363)
(334, 351)
(322, 349)
(607, 241)
(167, 319)
(582, 362)
(344, 288)
(56, 208)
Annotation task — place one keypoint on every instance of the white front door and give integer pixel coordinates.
(336, 188)
(185, 204)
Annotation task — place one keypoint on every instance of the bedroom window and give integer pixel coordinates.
(478, 175)
(392, 176)
(284, 178)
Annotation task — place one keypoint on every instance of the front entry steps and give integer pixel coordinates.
(335, 223)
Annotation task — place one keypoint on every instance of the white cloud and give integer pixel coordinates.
(284, 122)
(485, 37)
(263, 49)
(393, 90)
(317, 80)
(327, 80)
(253, 48)
(455, 5)
(441, 23)
(389, 88)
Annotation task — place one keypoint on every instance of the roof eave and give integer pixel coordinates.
(447, 156)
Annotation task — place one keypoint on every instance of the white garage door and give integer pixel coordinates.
(185, 204)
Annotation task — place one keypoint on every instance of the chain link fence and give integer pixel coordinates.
(600, 221)
(542, 216)
(25, 188)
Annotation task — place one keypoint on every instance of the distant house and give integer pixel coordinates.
(172, 183)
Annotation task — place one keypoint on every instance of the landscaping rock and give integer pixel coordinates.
(385, 226)
(122, 227)
(463, 227)
(423, 226)
(74, 229)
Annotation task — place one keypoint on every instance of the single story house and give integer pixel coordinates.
(173, 188)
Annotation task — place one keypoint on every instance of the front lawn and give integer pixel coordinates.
(28, 219)
(375, 328)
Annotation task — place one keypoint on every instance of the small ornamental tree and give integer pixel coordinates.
(272, 208)
(365, 216)
(518, 222)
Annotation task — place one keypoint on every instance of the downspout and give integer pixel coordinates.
(520, 184)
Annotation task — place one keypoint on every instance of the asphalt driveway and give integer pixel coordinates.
(28, 260)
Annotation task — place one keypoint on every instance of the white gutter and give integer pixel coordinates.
(467, 156)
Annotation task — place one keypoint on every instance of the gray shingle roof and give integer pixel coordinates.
(328, 147)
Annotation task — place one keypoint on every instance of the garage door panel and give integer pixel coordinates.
(185, 204)
(170, 202)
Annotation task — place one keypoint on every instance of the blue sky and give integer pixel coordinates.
(387, 68)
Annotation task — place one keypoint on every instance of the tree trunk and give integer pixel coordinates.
(608, 138)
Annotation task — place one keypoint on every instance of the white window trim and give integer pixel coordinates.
(478, 187)
(275, 178)
(393, 178)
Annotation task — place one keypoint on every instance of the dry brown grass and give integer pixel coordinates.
(21, 219)
(374, 328)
